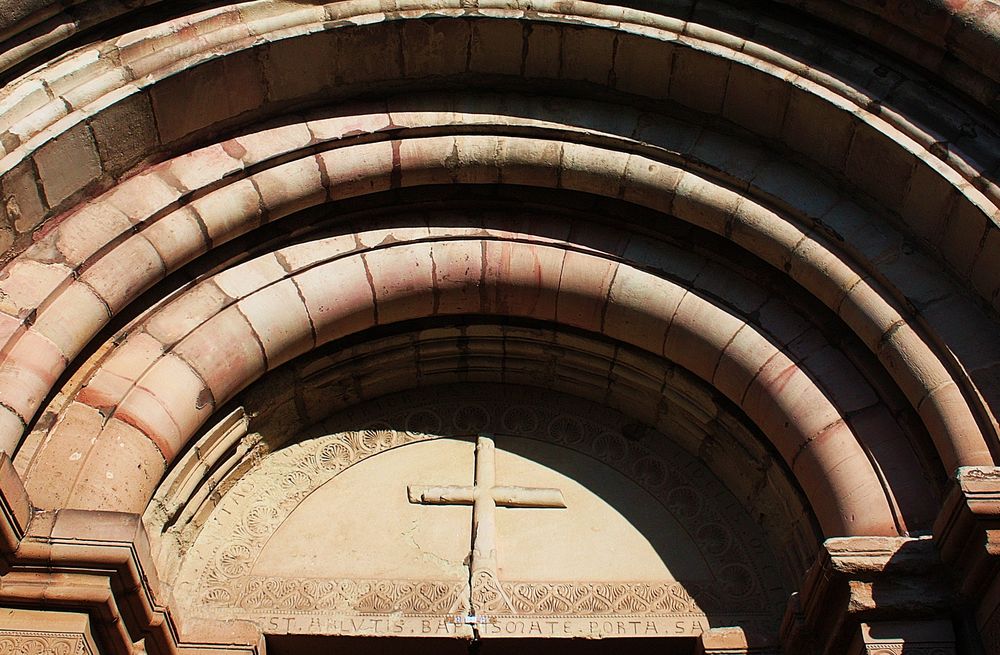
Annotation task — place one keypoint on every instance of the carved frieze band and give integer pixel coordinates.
(908, 649)
(599, 598)
(16, 642)
(436, 597)
(412, 597)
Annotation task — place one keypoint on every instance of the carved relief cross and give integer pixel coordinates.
(485, 496)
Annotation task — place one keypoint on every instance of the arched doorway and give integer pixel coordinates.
(765, 235)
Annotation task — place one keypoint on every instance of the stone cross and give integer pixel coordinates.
(485, 496)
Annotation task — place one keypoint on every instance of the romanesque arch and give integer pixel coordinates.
(764, 235)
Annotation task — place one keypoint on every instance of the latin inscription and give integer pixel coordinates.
(486, 626)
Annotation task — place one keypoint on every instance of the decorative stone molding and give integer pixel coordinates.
(907, 108)
(299, 470)
(967, 531)
(27, 28)
(29, 632)
(15, 510)
(96, 564)
(732, 641)
(17, 642)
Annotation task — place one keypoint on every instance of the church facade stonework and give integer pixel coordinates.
(479, 327)
(628, 597)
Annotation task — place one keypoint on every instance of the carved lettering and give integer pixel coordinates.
(509, 626)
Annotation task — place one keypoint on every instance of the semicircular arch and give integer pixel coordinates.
(209, 343)
(105, 271)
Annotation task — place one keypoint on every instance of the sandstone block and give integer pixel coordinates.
(225, 352)
(122, 470)
(584, 286)
(67, 164)
(642, 66)
(63, 455)
(640, 308)
(458, 277)
(587, 54)
(178, 237)
(434, 47)
(808, 114)
(86, 232)
(230, 211)
(188, 101)
(879, 167)
(290, 66)
(756, 99)
(200, 168)
(400, 277)
(496, 47)
(125, 133)
(22, 197)
(169, 402)
(339, 298)
(543, 56)
(698, 335)
(358, 170)
(522, 281)
(699, 79)
(290, 187)
(250, 277)
(963, 234)
(280, 321)
(29, 371)
(73, 320)
(133, 356)
(121, 275)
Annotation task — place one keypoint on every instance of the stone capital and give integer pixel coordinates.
(85, 583)
(857, 580)
(48, 632)
(904, 637)
(967, 530)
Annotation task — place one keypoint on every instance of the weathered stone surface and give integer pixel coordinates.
(67, 164)
(125, 134)
(541, 477)
(723, 277)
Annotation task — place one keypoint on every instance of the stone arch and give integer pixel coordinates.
(939, 36)
(779, 238)
(889, 221)
(151, 90)
(266, 315)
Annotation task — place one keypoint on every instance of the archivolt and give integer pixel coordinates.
(936, 35)
(97, 260)
(158, 79)
(199, 350)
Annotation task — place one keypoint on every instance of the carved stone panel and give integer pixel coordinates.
(28, 632)
(322, 537)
